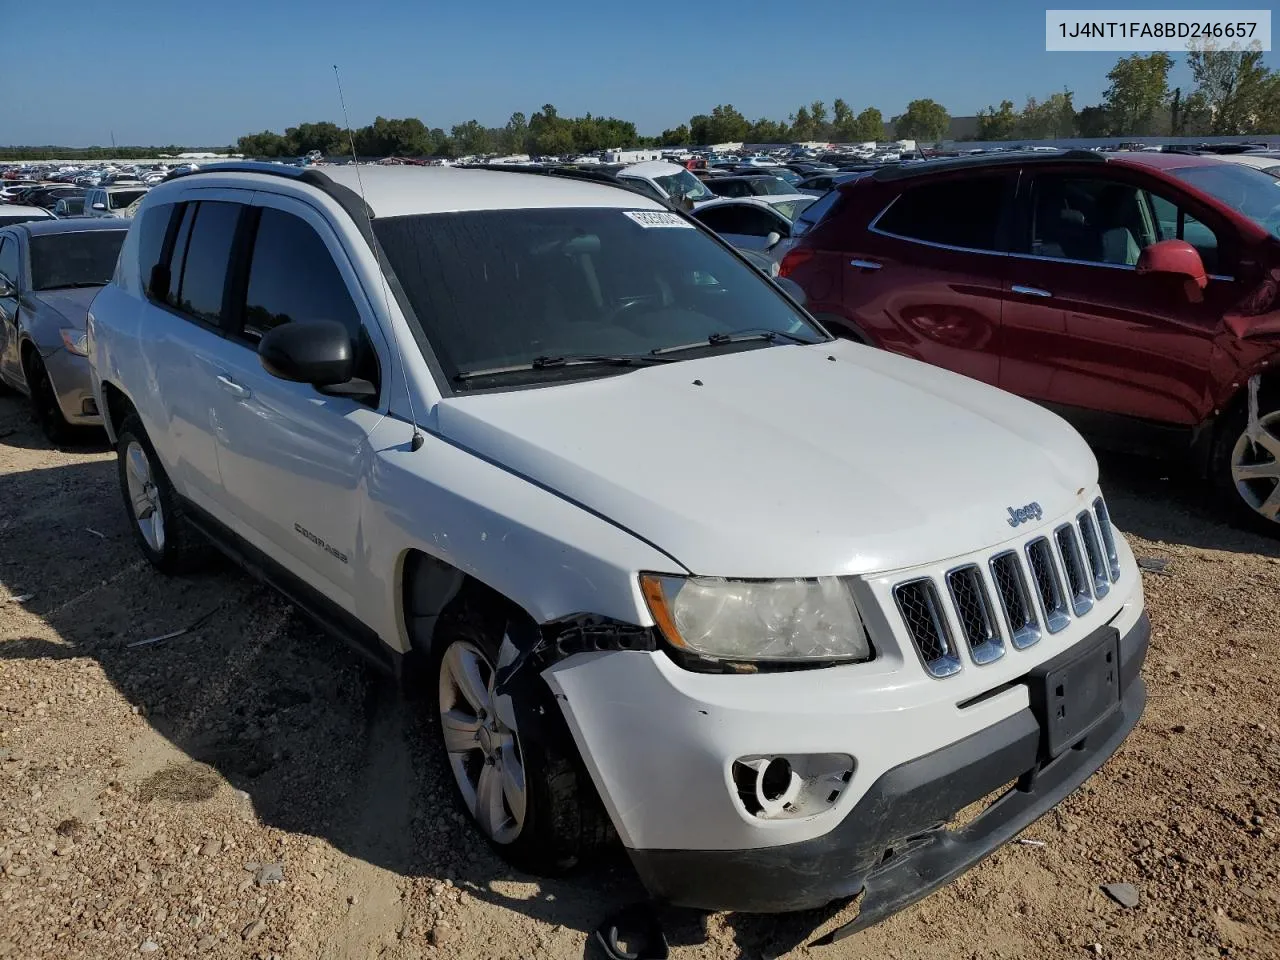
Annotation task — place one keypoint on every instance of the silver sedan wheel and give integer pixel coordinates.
(144, 497)
(483, 746)
(1255, 467)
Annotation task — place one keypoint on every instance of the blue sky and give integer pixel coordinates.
(204, 73)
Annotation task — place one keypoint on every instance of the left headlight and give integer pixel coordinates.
(76, 341)
(755, 620)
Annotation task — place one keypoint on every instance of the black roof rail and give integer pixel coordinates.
(920, 168)
(345, 197)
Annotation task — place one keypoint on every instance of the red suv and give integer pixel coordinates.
(1135, 294)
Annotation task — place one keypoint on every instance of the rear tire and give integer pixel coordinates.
(558, 822)
(153, 508)
(45, 410)
(1245, 474)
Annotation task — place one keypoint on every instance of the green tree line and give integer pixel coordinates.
(1234, 94)
(51, 152)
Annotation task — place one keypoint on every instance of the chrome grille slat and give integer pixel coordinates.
(1078, 586)
(1093, 550)
(1108, 537)
(1015, 600)
(976, 614)
(1044, 572)
(926, 621)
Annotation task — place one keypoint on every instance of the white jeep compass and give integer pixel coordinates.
(775, 607)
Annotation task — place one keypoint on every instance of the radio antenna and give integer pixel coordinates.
(416, 441)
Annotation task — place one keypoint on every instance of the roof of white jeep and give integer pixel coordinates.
(406, 190)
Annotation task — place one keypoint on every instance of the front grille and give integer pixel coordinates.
(1017, 597)
(1019, 610)
(1108, 537)
(1073, 563)
(1044, 571)
(976, 614)
(1093, 550)
(922, 612)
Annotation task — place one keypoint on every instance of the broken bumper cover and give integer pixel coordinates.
(894, 843)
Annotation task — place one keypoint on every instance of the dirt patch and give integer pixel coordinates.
(180, 782)
(137, 783)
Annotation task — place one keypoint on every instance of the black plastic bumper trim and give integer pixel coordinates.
(894, 844)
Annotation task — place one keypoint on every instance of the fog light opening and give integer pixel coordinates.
(784, 787)
(775, 780)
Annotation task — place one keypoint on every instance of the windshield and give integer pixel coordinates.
(770, 186)
(788, 175)
(83, 259)
(8, 220)
(684, 184)
(790, 208)
(501, 288)
(1251, 192)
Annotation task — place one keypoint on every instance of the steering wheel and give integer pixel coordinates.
(626, 313)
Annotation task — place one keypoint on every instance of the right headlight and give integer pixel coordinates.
(758, 620)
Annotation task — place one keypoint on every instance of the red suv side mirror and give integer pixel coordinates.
(1175, 257)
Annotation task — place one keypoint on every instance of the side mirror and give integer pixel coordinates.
(7, 292)
(1177, 258)
(318, 352)
(772, 240)
(99, 206)
(792, 289)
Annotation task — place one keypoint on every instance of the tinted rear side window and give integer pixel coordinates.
(957, 213)
(208, 251)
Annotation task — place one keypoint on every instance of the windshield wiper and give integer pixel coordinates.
(550, 363)
(73, 284)
(745, 336)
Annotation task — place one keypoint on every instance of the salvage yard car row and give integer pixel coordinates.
(403, 399)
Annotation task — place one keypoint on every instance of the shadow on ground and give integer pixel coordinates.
(288, 715)
(1165, 501)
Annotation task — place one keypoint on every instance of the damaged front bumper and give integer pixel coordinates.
(895, 844)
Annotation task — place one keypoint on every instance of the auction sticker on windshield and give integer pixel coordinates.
(656, 218)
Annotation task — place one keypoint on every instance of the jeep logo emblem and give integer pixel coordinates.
(1019, 515)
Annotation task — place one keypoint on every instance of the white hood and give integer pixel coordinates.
(788, 461)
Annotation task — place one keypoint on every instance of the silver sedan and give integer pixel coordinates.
(50, 271)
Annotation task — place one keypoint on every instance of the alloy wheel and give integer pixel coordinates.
(1255, 467)
(144, 496)
(482, 743)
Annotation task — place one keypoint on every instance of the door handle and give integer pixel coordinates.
(1031, 291)
(865, 264)
(233, 388)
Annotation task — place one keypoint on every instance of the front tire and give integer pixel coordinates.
(1246, 471)
(155, 512)
(529, 795)
(45, 410)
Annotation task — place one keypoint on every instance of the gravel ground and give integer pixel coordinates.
(247, 789)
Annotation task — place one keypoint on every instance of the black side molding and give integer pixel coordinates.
(327, 615)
